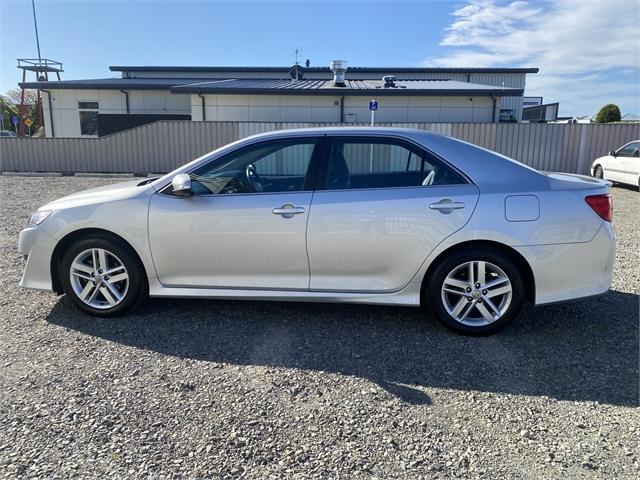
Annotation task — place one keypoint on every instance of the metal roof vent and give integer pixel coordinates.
(339, 68)
(389, 81)
(296, 72)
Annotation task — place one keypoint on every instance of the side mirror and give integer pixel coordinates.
(181, 185)
(612, 153)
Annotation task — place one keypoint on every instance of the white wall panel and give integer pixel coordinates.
(264, 114)
(279, 108)
(325, 114)
(231, 113)
(483, 114)
(178, 103)
(455, 114)
(66, 114)
(423, 114)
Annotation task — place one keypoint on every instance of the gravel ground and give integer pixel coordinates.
(210, 389)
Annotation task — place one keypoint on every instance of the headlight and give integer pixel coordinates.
(37, 218)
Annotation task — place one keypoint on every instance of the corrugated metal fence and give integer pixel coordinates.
(164, 145)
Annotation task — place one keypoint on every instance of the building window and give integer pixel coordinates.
(88, 118)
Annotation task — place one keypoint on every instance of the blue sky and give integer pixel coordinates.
(588, 51)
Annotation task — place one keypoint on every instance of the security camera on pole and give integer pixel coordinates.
(373, 106)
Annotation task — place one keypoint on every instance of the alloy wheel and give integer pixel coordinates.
(476, 293)
(99, 278)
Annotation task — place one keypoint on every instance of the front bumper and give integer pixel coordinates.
(37, 246)
(573, 270)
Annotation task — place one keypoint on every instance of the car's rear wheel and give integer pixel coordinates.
(598, 173)
(476, 291)
(102, 276)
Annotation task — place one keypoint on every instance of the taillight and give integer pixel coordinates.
(601, 204)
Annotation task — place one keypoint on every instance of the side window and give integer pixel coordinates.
(630, 150)
(88, 117)
(277, 166)
(381, 163)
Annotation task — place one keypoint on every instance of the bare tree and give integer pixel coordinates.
(30, 96)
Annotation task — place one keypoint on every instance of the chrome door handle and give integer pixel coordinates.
(446, 205)
(288, 210)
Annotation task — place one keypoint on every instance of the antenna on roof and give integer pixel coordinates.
(296, 52)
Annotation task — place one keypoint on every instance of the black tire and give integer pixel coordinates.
(435, 284)
(137, 288)
(598, 173)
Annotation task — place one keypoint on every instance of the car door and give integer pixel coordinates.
(614, 167)
(383, 206)
(245, 224)
(630, 163)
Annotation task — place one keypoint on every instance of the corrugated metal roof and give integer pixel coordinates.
(352, 87)
(285, 86)
(381, 70)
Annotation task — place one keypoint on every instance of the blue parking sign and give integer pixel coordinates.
(15, 120)
(373, 105)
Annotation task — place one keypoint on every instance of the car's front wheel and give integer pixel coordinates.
(477, 291)
(102, 276)
(598, 173)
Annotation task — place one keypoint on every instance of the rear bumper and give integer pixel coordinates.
(574, 270)
(37, 246)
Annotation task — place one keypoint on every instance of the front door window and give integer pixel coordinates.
(629, 150)
(270, 167)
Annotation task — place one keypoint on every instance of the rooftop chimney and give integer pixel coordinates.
(339, 68)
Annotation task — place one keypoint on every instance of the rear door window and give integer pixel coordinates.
(360, 162)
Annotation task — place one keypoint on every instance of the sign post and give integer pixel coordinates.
(28, 122)
(2, 120)
(373, 106)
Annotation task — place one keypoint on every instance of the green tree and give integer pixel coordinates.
(609, 113)
(7, 110)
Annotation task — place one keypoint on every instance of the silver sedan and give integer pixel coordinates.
(361, 215)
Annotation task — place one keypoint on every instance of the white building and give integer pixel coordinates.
(76, 108)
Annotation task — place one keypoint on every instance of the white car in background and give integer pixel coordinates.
(622, 165)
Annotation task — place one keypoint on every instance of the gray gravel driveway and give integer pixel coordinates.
(227, 389)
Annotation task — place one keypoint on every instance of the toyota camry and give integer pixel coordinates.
(362, 215)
